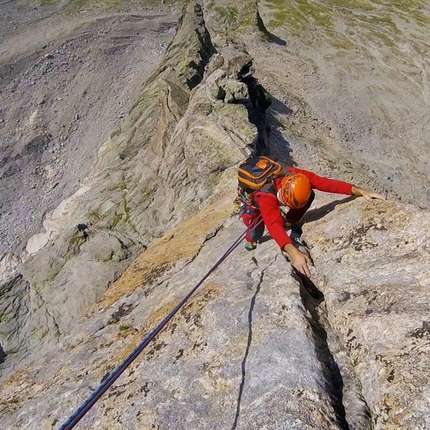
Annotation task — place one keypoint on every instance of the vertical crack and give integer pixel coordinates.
(311, 300)
(242, 383)
(204, 52)
(357, 411)
(342, 384)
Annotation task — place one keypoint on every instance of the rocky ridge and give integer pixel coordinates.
(117, 212)
(63, 92)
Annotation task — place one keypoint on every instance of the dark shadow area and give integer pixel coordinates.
(265, 238)
(206, 51)
(279, 147)
(242, 383)
(318, 213)
(275, 39)
(280, 107)
(309, 286)
(2, 355)
(259, 101)
(312, 297)
(271, 37)
(269, 140)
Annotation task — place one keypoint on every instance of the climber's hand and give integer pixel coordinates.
(298, 259)
(367, 194)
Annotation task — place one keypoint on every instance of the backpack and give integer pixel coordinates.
(257, 173)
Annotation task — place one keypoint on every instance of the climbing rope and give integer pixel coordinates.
(116, 373)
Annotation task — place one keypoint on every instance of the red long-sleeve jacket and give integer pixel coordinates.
(269, 204)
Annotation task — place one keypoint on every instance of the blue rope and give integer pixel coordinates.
(116, 373)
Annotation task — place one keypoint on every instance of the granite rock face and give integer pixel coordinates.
(254, 347)
(257, 346)
(241, 353)
(375, 280)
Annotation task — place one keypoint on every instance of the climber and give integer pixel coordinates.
(294, 192)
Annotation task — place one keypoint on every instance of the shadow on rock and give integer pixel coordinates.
(2, 355)
(275, 39)
(308, 286)
(280, 107)
(265, 238)
(279, 147)
(270, 36)
(318, 213)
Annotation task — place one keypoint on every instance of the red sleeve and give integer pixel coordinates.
(322, 183)
(272, 217)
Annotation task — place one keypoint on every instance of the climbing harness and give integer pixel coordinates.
(115, 374)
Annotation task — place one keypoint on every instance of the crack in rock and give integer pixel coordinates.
(341, 380)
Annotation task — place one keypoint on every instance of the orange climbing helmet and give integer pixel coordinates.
(295, 190)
